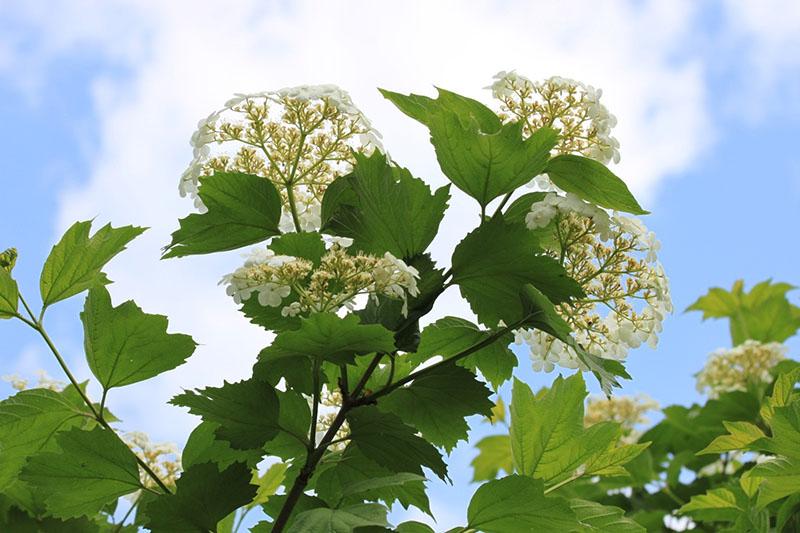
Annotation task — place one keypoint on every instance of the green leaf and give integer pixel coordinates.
(247, 411)
(763, 314)
(203, 446)
(437, 403)
(28, 422)
(242, 209)
(203, 496)
(494, 455)
(91, 469)
(124, 345)
(518, 504)
(740, 436)
(609, 462)
(268, 482)
(294, 421)
(343, 520)
(450, 335)
(383, 208)
(716, 504)
(781, 478)
(385, 439)
(306, 245)
(480, 156)
(413, 527)
(9, 294)
(785, 425)
(592, 181)
(596, 517)
(74, 263)
(493, 264)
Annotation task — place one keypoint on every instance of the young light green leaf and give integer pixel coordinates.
(28, 422)
(592, 181)
(494, 455)
(75, 263)
(450, 335)
(383, 208)
(341, 520)
(517, 504)
(603, 518)
(268, 482)
(437, 403)
(89, 470)
(9, 294)
(781, 478)
(125, 345)
(740, 436)
(246, 411)
(610, 462)
(716, 504)
(243, 209)
(493, 264)
(204, 495)
(385, 439)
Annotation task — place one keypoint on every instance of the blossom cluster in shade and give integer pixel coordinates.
(628, 411)
(299, 138)
(301, 288)
(733, 369)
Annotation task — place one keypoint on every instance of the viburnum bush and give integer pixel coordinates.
(360, 396)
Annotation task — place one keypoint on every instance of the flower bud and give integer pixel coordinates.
(8, 259)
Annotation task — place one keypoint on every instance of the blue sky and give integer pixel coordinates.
(97, 110)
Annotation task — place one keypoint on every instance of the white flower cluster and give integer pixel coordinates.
(299, 138)
(332, 285)
(627, 411)
(732, 369)
(569, 106)
(163, 458)
(614, 259)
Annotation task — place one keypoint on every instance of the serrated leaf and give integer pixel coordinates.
(494, 455)
(716, 504)
(294, 421)
(343, 520)
(203, 496)
(592, 181)
(517, 504)
(493, 264)
(437, 403)
(605, 518)
(385, 439)
(203, 446)
(246, 411)
(383, 208)
(90, 469)
(125, 345)
(9, 294)
(740, 436)
(28, 422)
(781, 478)
(74, 263)
(450, 335)
(268, 482)
(243, 209)
(609, 462)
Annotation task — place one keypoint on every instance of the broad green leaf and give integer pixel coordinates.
(294, 422)
(413, 527)
(90, 469)
(28, 422)
(246, 411)
(450, 335)
(203, 496)
(605, 518)
(385, 439)
(420, 107)
(75, 263)
(785, 426)
(268, 482)
(781, 478)
(493, 264)
(763, 314)
(782, 393)
(343, 474)
(484, 164)
(275, 504)
(437, 403)
(609, 462)
(125, 345)
(494, 455)
(306, 245)
(592, 181)
(242, 209)
(740, 436)
(383, 208)
(343, 520)
(9, 294)
(15, 520)
(716, 504)
(518, 504)
(203, 446)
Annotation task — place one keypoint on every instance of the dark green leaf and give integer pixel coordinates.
(203, 446)
(592, 181)
(383, 208)
(343, 520)
(74, 263)
(124, 345)
(304, 245)
(517, 504)
(242, 209)
(247, 411)
(385, 439)
(294, 421)
(437, 403)
(420, 108)
(91, 469)
(203, 496)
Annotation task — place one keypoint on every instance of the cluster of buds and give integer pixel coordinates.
(735, 368)
(164, 459)
(300, 139)
(8, 259)
(335, 283)
(44, 382)
(330, 404)
(627, 411)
